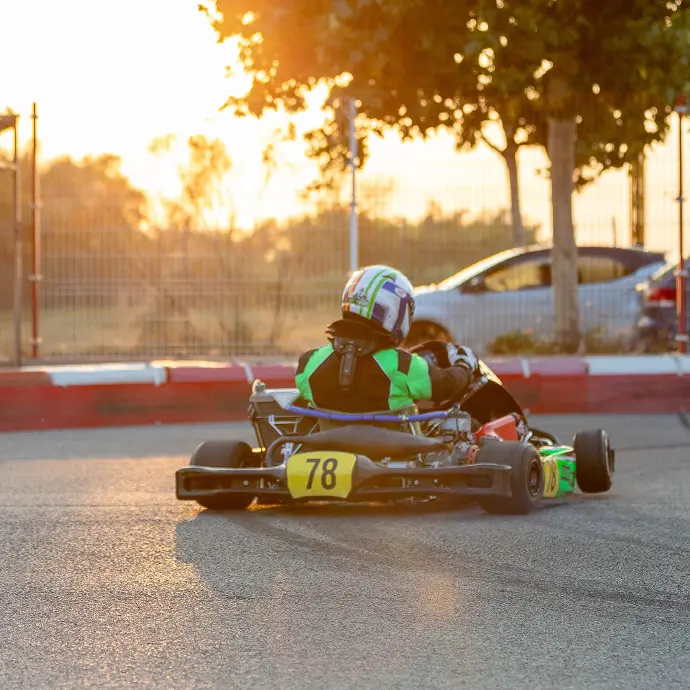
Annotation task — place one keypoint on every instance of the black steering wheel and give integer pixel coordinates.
(434, 352)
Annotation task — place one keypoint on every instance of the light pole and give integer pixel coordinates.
(354, 230)
(681, 107)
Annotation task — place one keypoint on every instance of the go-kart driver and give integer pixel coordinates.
(363, 368)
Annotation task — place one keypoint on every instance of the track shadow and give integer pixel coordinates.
(335, 509)
(251, 554)
(240, 554)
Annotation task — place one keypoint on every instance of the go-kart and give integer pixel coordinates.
(480, 446)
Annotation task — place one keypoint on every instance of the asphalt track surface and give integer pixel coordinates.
(107, 581)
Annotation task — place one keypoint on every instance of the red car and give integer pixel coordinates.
(657, 323)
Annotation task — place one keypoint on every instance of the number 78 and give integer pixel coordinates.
(328, 477)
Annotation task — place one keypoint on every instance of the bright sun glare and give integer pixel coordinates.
(112, 78)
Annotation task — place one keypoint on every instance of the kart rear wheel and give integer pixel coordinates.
(594, 461)
(526, 477)
(225, 454)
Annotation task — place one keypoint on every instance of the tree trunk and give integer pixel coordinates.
(510, 156)
(561, 150)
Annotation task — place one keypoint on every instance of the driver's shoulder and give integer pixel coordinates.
(399, 360)
(307, 356)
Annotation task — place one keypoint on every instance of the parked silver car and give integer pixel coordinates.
(512, 291)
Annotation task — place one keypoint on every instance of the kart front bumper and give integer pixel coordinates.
(370, 482)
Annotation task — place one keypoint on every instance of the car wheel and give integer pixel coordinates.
(227, 454)
(424, 331)
(526, 477)
(594, 461)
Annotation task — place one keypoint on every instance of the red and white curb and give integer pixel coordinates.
(172, 392)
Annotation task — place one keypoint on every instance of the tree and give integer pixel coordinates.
(201, 180)
(173, 293)
(604, 93)
(78, 195)
(90, 195)
(90, 213)
(588, 80)
(409, 74)
(471, 100)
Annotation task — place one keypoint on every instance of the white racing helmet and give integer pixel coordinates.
(382, 295)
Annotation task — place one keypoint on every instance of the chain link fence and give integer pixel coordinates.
(113, 291)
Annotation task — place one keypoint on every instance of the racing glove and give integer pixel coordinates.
(463, 357)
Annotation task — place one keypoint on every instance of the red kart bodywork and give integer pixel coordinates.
(504, 428)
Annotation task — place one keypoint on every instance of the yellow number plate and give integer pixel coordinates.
(323, 474)
(551, 477)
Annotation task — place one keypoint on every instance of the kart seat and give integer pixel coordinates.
(369, 440)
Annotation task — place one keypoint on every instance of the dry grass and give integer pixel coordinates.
(89, 333)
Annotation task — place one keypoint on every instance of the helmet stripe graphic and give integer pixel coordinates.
(377, 289)
(372, 280)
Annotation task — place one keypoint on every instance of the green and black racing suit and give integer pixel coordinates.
(377, 377)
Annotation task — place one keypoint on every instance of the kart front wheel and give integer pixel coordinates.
(225, 454)
(526, 477)
(594, 461)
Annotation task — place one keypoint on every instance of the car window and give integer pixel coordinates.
(476, 269)
(519, 276)
(600, 269)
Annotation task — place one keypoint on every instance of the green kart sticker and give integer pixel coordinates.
(559, 471)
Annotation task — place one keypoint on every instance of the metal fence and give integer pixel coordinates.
(110, 290)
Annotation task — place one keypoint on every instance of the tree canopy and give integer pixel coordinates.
(418, 65)
(591, 81)
(79, 199)
(72, 190)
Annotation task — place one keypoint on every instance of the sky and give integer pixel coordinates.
(111, 77)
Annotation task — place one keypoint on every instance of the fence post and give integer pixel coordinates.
(35, 276)
(354, 230)
(18, 250)
(9, 121)
(681, 107)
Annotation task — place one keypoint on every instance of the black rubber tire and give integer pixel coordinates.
(526, 480)
(594, 463)
(226, 454)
